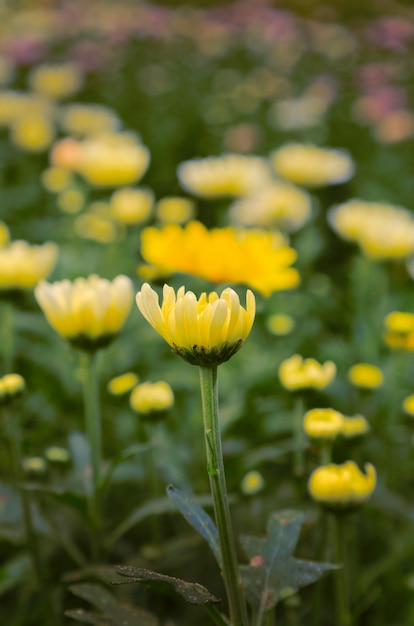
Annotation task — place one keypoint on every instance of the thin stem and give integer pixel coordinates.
(341, 585)
(7, 336)
(299, 439)
(215, 468)
(94, 434)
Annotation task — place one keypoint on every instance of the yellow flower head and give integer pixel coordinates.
(112, 160)
(89, 312)
(226, 175)
(95, 227)
(382, 231)
(399, 330)
(152, 397)
(324, 424)
(408, 404)
(56, 81)
(280, 324)
(15, 104)
(309, 165)
(56, 179)
(35, 465)
(57, 454)
(297, 373)
(23, 265)
(70, 200)
(131, 206)
(354, 426)
(207, 331)
(4, 234)
(88, 119)
(255, 258)
(122, 384)
(252, 483)
(11, 387)
(174, 209)
(32, 132)
(366, 375)
(342, 486)
(278, 205)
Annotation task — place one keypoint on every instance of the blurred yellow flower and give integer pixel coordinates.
(23, 265)
(298, 373)
(95, 227)
(366, 375)
(88, 119)
(15, 104)
(4, 234)
(56, 81)
(354, 426)
(174, 209)
(408, 404)
(225, 175)
(122, 384)
(255, 258)
(342, 486)
(207, 331)
(70, 200)
(33, 132)
(312, 166)
(399, 330)
(66, 153)
(152, 397)
(112, 159)
(57, 454)
(382, 231)
(89, 312)
(34, 465)
(279, 204)
(280, 324)
(56, 179)
(324, 424)
(252, 483)
(131, 206)
(11, 387)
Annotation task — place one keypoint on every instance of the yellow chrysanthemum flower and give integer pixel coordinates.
(342, 486)
(112, 160)
(152, 397)
(255, 258)
(324, 424)
(366, 375)
(89, 312)
(174, 209)
(131, 206)
(207, 331)
(354, 426)
(23, 265)
(33, 132)
(88, 119)
(56, 81)
(122, 384)
(312, 166)
(252, 483)
(4, 234)
(382, 231)
(298, 373)
(11, 387)
(278, 205)
(399, 330)
(226, 175)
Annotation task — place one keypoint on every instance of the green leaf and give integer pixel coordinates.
(12, 572)
(191, 592)
(273, 573)
(114, 613)
(80, 453)
(198, 518)
(122, 457)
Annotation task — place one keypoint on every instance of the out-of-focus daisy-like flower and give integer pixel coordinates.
(342, 486)
(56, 81)
(252, 483)
(122, 384)
(174, 209)
(89, 312)
(255, 258)
(131, 206)
(12, 386)
(280, 204)
(323, 424)
(57, 455)
(312, 166)
(112, 160)
(70, 200)
(95, 227)
(366, 375)
(280, 324)
(354, 426)
(399, 330)
(88, 119)
(23, 265)
(382, 231)
(32, 132)
(56, 179)
(206, 331)
(16, 104)
(66, 153)
(298, 373)
(302, 112)
(152, 398)
(408, 404)
(226, 175)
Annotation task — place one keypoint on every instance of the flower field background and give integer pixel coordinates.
(262, 151)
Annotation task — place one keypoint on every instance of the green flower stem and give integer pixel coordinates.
(215, 467)
(7, 336)
(94, 434)
(326, 453)
(299, 439)
(341, 583)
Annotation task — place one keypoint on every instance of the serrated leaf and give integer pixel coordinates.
(198, 518)
(273, 573)
(193, 593)
(114, 613)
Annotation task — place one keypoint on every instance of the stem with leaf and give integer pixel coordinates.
(215, 467)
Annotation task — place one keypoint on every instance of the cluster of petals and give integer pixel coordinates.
(298, 373)
(312, 166)
(151, 397)
(189, 323)
(399, 330)
(90, 307)
(328, 424)
(382, 231)
(342, 485)
(225, 175)
(22, 265)
(259, 259)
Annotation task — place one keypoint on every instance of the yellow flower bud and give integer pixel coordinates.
(57, 454)
(354, 426)
(33, 132)
(131, 206)
(152, 397)
(35, 465)
(323, 423)
(252, 483)
(56, 81)
(297, 373)
(342, 486)
(174, 209)
(12, 386)
(408, 404)
(280, 324)
(122, 384)
(366, 375)
(399, 330)
(23, 265)
(4, 235)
